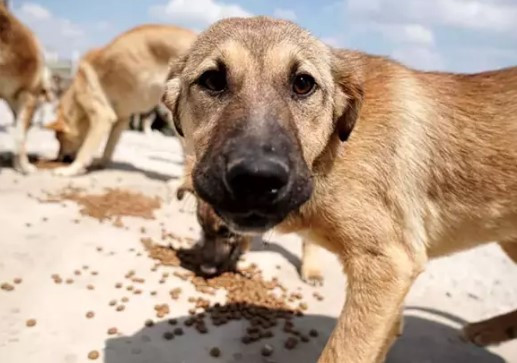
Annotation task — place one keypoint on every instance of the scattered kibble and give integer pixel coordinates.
(267, 350)
(168, 335)
(112, 331)
(7, 287)
(31, 323)
(121, 308)
(90, 314)
(17, 281)
(93, 355)
(215, 352)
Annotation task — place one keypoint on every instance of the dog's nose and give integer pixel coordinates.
(262, 179)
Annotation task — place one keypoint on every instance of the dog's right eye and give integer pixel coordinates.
(214, 80)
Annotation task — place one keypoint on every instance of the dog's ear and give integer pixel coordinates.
(58, 125)
(172, 92)
(347, 70)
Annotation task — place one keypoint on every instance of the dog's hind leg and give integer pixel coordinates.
(23, 108)
(500, 328)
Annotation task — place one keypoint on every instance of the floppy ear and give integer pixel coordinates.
(348, 75)
(58, 126)
(172, 92)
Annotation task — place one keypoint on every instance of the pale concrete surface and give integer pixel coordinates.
(466, 287)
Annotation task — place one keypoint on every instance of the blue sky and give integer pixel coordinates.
(454, 35)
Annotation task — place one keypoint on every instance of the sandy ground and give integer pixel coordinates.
(40, 239)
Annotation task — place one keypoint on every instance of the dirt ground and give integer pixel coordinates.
(38, 240)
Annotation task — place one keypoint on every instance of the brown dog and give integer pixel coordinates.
(381, 164)
(125, 77)
(24, 80)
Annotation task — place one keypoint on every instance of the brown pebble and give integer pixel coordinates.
(30, 323)
(93, 355)
(90, 314)
(215, 352)
(112, 331)
(7, 287)
(18, 281)
(120, 308)
(168, 335)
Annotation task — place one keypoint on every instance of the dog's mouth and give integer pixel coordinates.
(251, 223)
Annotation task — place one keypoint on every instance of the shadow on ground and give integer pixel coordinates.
(424, 340)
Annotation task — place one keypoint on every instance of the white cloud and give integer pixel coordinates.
(56, 34)
(197, 13)
(35, 11)
(419, 57)
(409, 33)
(287, 14)
(489, 15)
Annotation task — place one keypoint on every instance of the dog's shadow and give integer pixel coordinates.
(424, 340)
(130, 168)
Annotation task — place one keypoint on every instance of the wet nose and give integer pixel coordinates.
(258, 178)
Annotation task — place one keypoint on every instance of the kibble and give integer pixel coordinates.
(93, 355)
(90, 314)
(291, 343)
(215, 352)
(149, 323)
(118, 285)
(267, 350)
(113, 303)
(120, 308)
(112, 331)
(178, 331)
(313, 333)
(31, 323)
(18, 281)
(7, 287)
(168, 335)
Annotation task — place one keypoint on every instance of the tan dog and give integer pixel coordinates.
(23, 79)
(221, 248)
(381, 164)
(125, 77)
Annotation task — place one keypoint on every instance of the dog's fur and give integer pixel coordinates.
(125, 77)
(221, 247)
(429, 168)
(24, 79)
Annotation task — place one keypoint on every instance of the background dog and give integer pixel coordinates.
(24, 80)
(125, 77)
(381, 164)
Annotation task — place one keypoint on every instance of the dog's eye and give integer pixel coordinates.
(303, 84)
(214, 80)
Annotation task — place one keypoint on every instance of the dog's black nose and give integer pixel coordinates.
(261, 179)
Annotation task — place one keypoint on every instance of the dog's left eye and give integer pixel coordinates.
(214, 80)
(303, 84)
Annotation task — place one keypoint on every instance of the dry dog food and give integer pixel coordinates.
(215, 352)
(112, 331)
(31, 323)
(7, 287)
(93, 355)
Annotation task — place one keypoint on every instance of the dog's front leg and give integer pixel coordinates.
(378, 281)
(96, 133)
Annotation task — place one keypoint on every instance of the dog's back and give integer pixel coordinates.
(21, 61)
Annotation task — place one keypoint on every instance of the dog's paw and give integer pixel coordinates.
(486, 333)
(312, 276)
(68, 171)
(25, 168)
